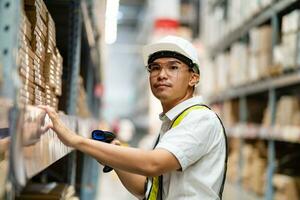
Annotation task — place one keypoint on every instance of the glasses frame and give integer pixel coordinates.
(169, 65)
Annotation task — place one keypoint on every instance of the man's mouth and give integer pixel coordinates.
(159, 85)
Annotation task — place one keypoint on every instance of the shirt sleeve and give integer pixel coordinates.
(192, 138)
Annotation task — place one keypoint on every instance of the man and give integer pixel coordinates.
(189, 157)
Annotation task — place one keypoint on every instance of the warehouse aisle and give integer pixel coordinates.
(110, 188)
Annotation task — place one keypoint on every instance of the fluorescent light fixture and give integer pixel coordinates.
(111, 19)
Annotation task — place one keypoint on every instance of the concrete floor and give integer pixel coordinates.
(110, 188)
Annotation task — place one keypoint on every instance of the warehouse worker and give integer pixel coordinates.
(189, 157)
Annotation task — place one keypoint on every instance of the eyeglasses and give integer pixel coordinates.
(170, 68)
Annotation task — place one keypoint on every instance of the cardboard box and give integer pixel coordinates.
(26, 72)
(286, 187)
(287, 107)
(26, 94)
(38, 82)
(36, 20)
(265, 38)
(290, 22)
(296, 119)
(26, 31)
(230, 113)
(253, 67)
(58, 91)
(26, 81)
(25, 26)
(38, 45)
(26, 62)
(37, 33)
(264, 64)
(39, 8)
(289, 51)
(27, 50)
(40, 53)
(261, 39)
(24, 100)
(258, 179)
(222, 68)
(28, 87)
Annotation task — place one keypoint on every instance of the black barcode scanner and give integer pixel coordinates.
(104, 136)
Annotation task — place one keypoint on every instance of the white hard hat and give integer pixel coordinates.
(168, 45)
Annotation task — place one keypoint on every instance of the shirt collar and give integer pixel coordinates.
(171, 114)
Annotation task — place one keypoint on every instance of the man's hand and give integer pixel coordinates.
(116, 142)
(64, 133)
(33, 126)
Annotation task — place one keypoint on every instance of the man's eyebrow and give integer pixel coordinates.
(171, 61)
(175, 61)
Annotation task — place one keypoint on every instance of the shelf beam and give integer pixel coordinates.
(75, 20)
(9, 29)
(257, 87)
(271, 149)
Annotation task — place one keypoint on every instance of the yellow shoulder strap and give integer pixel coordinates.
(153, 195)
(184, 113)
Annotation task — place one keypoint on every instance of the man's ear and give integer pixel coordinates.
(194, 79)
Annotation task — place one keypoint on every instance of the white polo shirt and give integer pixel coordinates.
(198, 144)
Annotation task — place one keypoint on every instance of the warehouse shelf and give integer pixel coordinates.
(256, 105)
(263, 16)
(33, 151)
(41, 149)
(257, 87)
(256, 131)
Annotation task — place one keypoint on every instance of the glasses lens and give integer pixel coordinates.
(170, 68)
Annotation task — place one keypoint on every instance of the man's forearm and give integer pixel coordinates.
(146, 163)
(134, 183)
(123, 158)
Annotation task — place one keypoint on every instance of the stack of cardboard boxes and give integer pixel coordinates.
(287, 119)
(221, 71)
(40, 61)
(37, 14)
(82, 108)
(286, 53)
(243, 63)
(254, 167)
(260, 52)
(288, 111)
(25, 59)
(238, 65)
(233, 160)
(220, 21)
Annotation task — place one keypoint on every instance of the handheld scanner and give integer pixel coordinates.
(104, 136)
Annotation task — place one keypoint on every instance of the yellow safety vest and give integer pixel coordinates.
(155, 193)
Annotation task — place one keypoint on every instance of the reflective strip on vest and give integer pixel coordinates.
(154, 191)
(154, 188)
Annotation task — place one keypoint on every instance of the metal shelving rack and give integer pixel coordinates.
(8, 45)
(9, 29)
(269, 86)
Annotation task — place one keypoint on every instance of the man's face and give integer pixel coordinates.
(170, 79)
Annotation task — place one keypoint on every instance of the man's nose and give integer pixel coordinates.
(163, 72)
